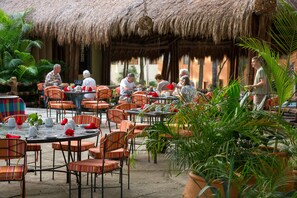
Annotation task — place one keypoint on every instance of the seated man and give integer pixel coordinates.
(53, 78)
(161, 83)
(126, 87)
(182, 73)
(186, 92)
(88, 82)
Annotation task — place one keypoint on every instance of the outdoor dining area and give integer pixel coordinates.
(82, 133)
(148, 98)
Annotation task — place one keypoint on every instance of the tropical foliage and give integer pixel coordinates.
(225, 142)
(284, 42)
(15, 49)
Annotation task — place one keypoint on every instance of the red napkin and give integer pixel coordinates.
(64, 121)
(69, 132)
(19, 121)
(170, 87)
(83, 88)
(151, 93)
(155, 94)
(90, 89)
(9, 136)
(66, 89)
(91, 126)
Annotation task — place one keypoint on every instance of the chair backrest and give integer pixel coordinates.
(139, 99)
(116, 115)
(12, 148)
(113, 141)
(101, 87)
(23, 117)
(117, 90)
(87, 119)
(126, 106)
(139, 92)
(49, 87)
(103, 94)
(54, 94)
(126, 125)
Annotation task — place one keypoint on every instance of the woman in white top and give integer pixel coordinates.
(88, 82)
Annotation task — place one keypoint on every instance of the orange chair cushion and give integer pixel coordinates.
(141, 126)
(93, 166)
(116, 154)
(74, 147)
(59, 105)
(12, 173)
(101, 105)
(33, 147)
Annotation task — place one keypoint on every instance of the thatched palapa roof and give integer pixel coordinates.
(93, 21)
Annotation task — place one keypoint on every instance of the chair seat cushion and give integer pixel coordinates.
(74, 147)
(33, 147)
(12, 173)
(60, 105)
(93, 166)
(102, 105)
(141, 126)
(116, 154)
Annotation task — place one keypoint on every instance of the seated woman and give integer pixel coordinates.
(161, 86)
(186, 92)
(88, 82)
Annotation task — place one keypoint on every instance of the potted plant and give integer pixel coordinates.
(223, 150)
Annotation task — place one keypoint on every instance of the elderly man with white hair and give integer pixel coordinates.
(53, 77)
(89, 82)
(182, 73)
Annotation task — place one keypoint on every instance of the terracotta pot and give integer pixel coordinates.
(291, 182)
(196, 183)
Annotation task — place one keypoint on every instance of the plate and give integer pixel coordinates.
(135, 109)
(83, 125)
(8, 96)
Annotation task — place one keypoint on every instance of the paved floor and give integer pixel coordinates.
(147, 179)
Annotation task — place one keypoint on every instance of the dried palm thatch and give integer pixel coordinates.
(98, 22)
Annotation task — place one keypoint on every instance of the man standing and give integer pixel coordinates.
(260, 86)
(53, 77)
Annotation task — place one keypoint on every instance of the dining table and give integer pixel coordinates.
(56, 133)
(76, 97)
(163, 99)
(154, 117)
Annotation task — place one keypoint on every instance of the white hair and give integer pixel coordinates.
(56, 66)
(184, 71)
(86, 74)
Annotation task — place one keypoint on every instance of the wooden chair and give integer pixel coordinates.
(36, 148)
(85, 146)
(110, 143)
(56, 99)
(14, 149)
